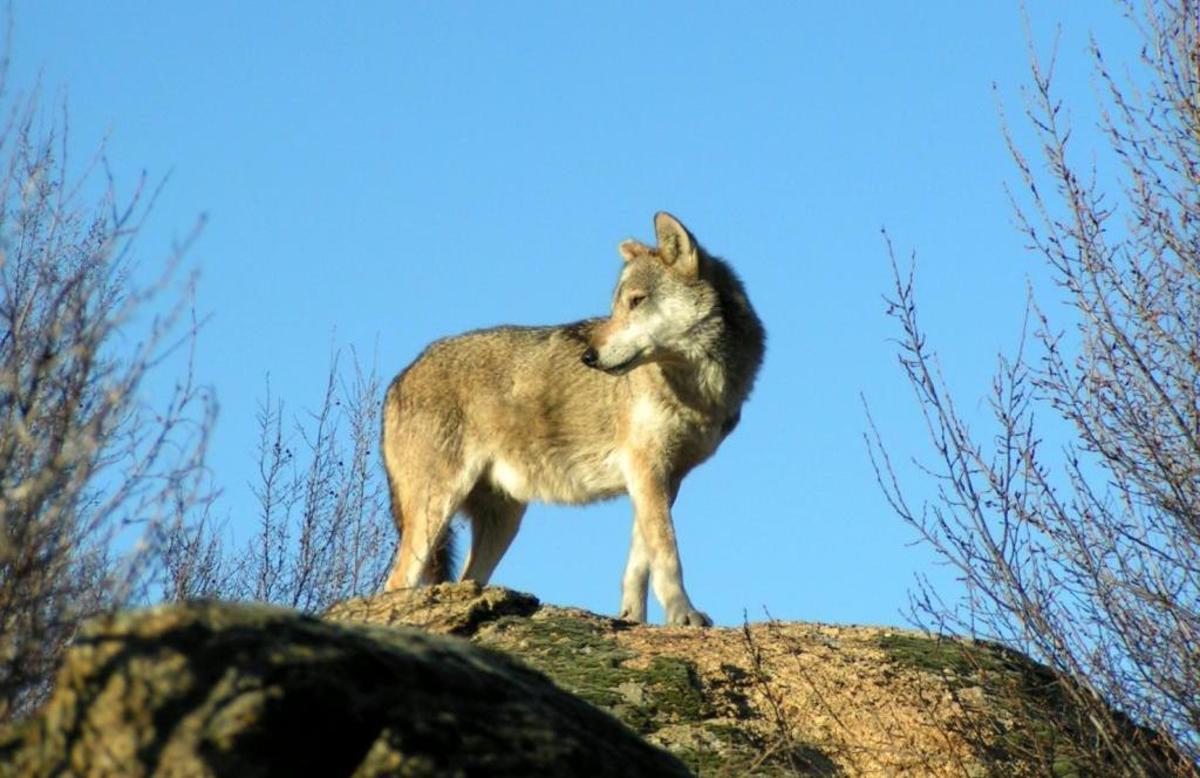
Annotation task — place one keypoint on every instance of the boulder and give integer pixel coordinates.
(216, 689)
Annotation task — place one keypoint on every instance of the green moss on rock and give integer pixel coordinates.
(580, 657)
(945, 656)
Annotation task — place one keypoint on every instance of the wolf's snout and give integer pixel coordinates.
(590, 357)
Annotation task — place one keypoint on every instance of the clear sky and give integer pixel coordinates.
(383, 174)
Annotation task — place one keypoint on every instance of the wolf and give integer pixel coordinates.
(485, 422)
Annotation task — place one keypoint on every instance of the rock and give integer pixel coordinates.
(778, 698)
(218, 689)
(213, 689)
(445, 609)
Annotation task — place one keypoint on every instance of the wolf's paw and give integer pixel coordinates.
(632, 614)
(688, 617)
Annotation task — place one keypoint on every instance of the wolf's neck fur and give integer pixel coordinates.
(727, 348)
(702, 383)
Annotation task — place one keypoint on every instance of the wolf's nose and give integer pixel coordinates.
(589, 357)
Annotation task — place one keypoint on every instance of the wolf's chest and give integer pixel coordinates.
(674, 427)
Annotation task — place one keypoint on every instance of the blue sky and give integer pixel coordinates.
(378, 175)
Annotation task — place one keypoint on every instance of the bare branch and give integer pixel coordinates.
(1088, 558)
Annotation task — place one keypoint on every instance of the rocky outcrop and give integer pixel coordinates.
(243, 690)
(775, 698)
(462, 680)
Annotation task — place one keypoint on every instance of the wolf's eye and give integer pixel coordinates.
(635, 300)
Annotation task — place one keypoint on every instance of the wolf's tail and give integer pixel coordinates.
(443, 565)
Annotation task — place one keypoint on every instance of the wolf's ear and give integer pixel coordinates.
(632, 249)
(676, 245)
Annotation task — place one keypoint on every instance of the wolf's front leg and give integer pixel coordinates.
(637, 578)
(652, 521)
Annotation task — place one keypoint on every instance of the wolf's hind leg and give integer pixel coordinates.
(495, 519)
(423, 541)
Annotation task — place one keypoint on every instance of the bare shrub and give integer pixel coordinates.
(320, 491)
(90, 472)
(105, 501)
(1088, 557)
(323, 532)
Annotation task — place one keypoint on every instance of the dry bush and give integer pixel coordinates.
(90, 473)
(324, 532)
(1088, 557)
(105, 501)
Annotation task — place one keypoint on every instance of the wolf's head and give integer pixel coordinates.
(663, 304)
